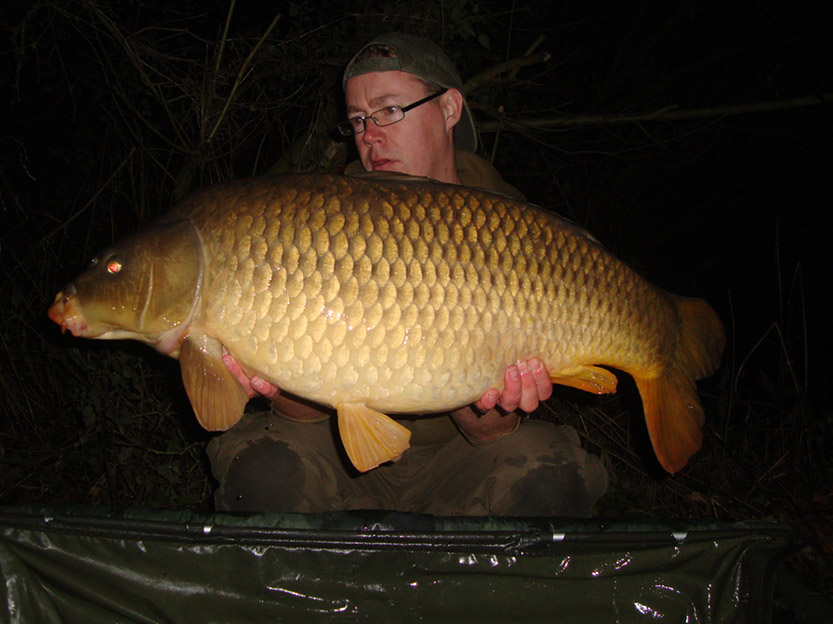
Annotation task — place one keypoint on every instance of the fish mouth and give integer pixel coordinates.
(65, 312)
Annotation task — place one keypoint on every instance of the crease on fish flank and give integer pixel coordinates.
(148, 294)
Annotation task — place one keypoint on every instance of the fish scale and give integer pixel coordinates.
(393, 294)
(363, 269)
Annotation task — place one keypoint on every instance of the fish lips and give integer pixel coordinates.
(66, 312)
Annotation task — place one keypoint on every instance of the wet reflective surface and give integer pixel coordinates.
(73, 565)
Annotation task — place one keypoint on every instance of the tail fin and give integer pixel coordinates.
(672, 408)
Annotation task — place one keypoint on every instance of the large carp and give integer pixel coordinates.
(391, 294)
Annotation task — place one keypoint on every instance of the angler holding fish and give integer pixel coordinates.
(407, 113)
(365, 296)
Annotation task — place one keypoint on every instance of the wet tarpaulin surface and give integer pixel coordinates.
(95, 565)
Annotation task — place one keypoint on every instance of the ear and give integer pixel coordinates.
(452, 107)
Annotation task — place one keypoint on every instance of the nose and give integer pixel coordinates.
(372, 133)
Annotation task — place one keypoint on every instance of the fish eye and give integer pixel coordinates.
(94, 261)
(113, 265)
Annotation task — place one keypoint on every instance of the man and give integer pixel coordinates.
(407, 113)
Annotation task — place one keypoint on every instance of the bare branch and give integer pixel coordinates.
(241, 74)
(511, 65)
(670, 113)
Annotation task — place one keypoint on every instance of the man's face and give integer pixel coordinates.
(421, 144)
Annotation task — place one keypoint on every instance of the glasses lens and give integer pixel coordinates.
(388, 116)
(352, 126)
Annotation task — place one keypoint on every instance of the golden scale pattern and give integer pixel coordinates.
(410, 295)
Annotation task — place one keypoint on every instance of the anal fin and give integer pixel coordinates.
(216, 396)
(593, 379)
(674, 418)
(370, 437)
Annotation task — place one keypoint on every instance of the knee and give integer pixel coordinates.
(557, 477)
(557, 490)
(264, 476)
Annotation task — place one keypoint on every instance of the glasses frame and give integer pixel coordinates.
(346, 127)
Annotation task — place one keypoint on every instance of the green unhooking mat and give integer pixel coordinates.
(94, 565)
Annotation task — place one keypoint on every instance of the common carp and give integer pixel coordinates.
(389, 294)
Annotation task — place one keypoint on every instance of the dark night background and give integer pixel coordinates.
(111, 110)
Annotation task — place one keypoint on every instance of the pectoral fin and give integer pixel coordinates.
(216, 396)
(370, 437)
(588, 378)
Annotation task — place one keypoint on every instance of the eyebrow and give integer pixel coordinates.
(375, 102)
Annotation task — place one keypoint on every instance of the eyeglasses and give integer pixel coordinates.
(382, 117)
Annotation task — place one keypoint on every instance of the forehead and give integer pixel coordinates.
(375, 89)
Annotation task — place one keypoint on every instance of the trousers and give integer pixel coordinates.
(267, 463)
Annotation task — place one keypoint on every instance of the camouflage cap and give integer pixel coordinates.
(423, 58)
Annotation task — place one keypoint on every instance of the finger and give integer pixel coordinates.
(543, 381)
(265, 388)
(238, 373)
(231, 363)
(529, 391)
(512, 390)
(488, 400)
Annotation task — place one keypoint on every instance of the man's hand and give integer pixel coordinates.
(526, 384)
(253, 386)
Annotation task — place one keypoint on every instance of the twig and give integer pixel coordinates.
(137, 64)
(92, 199)
(181, 147)
(223, 41)
(665, 114)
(514, 73)
(240, 75)
(496, 142)
(511, 65)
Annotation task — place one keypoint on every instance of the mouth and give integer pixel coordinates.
(65, 312)
(382, 164)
